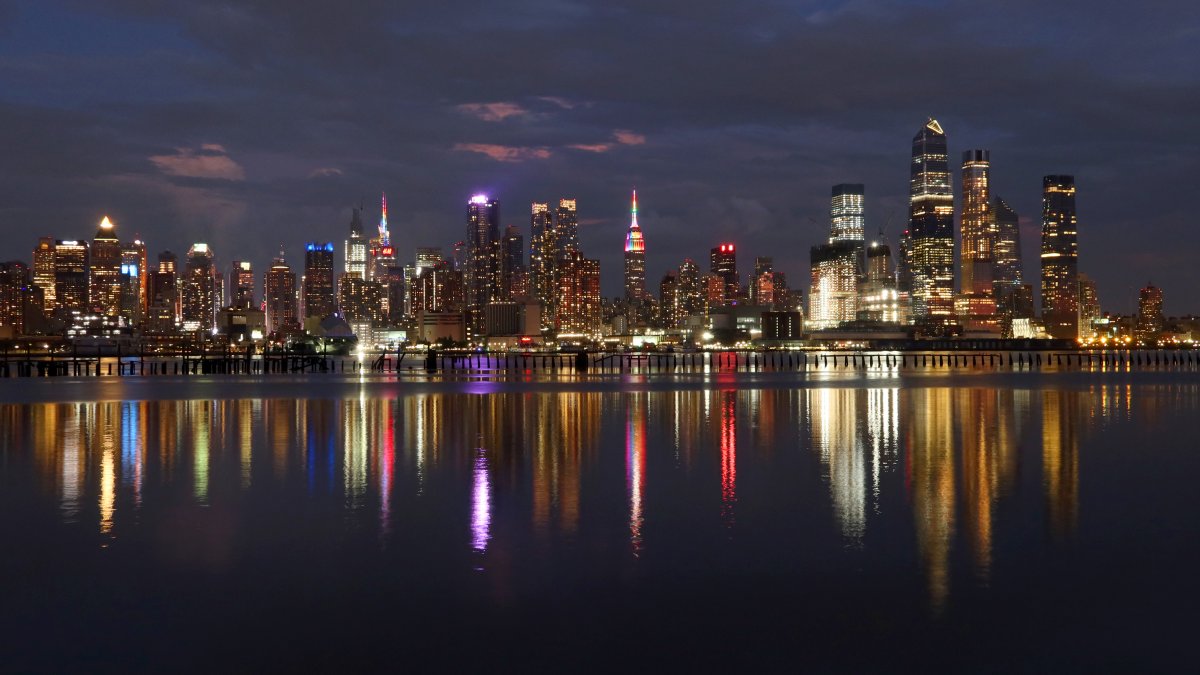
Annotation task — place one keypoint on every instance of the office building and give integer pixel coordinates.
(357, 246)
(319, 293)
(72, 260)
(848, 213)
(482, 272)
(513, 279)
(722, 263)
(975, 305)
(241, 285)
(105, 283)
(929, 245)
(1060, 257)
(199, 295)
(43, 271)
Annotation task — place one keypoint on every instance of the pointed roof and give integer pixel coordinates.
(933, 126)
(634, 243)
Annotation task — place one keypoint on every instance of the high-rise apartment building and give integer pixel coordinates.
(566, 226)
(578, 301)
(43, 271)
(513, 279)
(1149, 321)
(279, 289)
(319, 292)
(930, 237)
(1060, 257)
(690, 293)
(878, 296)
(975, 305)
(133, 254)
(162, 316)
(668, 301)
(635, 258)
(16, 288)
(543, 253)
(1089, 307)
(482, 274)
(833, 294)
(105, 283)
(200, 296)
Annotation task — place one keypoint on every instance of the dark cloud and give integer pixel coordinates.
(733, 119)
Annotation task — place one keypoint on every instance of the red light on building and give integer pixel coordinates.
(388, 251)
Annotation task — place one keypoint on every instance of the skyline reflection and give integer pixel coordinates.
(941, 463)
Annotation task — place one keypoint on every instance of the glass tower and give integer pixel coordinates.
(1060, 258)
(930, 254)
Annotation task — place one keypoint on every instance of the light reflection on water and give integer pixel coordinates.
(939, 464)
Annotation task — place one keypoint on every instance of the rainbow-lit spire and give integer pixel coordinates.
(633, 239)
(385, 237)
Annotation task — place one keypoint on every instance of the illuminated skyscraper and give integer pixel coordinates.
(16, 288)
(668, 300)
(1060, 256)
(833, 295)
(1150, 314)
(356, 246)
(199, 294)
(543, 252)
(578, 301)
(930, 254)
(163, 311)
(513, 279)
(847, 213)
(380, 253)
(976, 304)
(241, 285)
(72, 260)
(279, 287)
(690, 293)
(105, 284)
(319, 292)
(722, 262)
(635, 258)
(134, 253)
(1007, 277)
(1089, 307)
(566, 226)
(43, 271)
(482, 274)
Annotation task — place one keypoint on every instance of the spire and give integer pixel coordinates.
(634, 243)
(384, 236)
(106, 229)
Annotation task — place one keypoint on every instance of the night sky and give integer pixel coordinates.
(247, 124)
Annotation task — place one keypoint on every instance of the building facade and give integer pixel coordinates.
(930, 242)
(635, 258)
(1060, 258)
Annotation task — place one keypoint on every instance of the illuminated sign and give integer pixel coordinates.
(479, 199)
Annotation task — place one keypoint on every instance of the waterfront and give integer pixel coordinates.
(853, 520)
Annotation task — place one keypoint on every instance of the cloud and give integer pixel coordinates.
(324, 172)
(493, 112)
(627, 137)
(561, 102)
(209, 162)
(504, 153)
(594, 147)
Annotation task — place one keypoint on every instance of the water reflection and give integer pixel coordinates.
(939, 463)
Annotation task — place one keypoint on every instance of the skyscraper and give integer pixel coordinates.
(566, 226)
(15, 290)
(199, 295)
(513, 280)
(1060, 256)
(318, 281)
(635, 258)
(356, 246)
(279, 287)
(578, 302)
(105, 284)
(837, 264)
(43, 271)
(878, 297)
(241, 285)
(72, 260)
(690, 293)
(381, 254)
(1150, 313)
(163, 310)
(976, 304)
(134, 253)
(482, 274)
(722, 262)
(543, 252)
(668, 300)
(847, 213)
(1089, 307)
(930, 258)
(1007, 276)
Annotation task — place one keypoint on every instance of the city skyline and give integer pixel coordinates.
(262, 138)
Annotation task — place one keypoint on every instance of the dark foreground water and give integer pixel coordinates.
(1038, 522)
